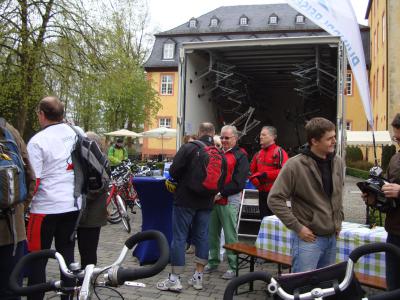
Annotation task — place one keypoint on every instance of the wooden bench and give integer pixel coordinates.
(251, 253)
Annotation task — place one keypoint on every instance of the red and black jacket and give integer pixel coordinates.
(237, 171)
(266, 165)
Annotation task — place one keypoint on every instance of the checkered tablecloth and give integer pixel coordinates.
(274, 236)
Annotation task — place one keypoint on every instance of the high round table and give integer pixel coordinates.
(156, 204)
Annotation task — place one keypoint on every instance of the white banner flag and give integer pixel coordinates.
(337, 17)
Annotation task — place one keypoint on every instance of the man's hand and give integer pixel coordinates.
(307, 235)
(391, 190)
(369, 199)
(217, 197)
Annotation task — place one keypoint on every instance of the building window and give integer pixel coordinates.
(243, 21)
(299, 19)
(164, 122)
(214, 22)
(273, 20)
(167, 83)
(168, 52)
(348, 125)
(377, 85)
(192, 23)
(383, 28)
(349, 84)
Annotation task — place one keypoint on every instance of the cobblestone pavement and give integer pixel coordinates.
(113, 236)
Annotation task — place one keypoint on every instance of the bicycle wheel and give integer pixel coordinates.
(113, 214)
(123, 213)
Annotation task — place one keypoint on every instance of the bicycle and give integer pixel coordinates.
(320, 283)
(121, 195)
(86, 280)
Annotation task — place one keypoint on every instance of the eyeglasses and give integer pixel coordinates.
(226, 137)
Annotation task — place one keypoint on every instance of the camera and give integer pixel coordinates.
(373, 186)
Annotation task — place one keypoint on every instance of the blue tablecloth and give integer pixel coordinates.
(156, 204)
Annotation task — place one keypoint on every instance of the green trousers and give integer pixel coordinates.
(222, 217)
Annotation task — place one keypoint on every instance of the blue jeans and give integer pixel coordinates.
(392, 264)
(310, 256)
(182, 217)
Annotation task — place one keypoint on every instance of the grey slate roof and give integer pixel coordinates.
(228, 27)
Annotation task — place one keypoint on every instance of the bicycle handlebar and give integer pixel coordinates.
(238, 281)
(320, 293)
(118, 276)
(37, 288)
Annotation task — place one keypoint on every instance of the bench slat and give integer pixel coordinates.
(251, 250)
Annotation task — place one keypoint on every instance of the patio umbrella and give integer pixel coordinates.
(124, 132)
(160, 132)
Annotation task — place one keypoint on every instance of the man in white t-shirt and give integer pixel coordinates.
(54, 210)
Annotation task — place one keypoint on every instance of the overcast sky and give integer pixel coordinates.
(167, 14)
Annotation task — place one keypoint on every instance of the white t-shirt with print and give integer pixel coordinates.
(50, 155)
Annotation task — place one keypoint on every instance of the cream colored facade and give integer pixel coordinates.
(166, 146)
(384, 21)
(355, 115)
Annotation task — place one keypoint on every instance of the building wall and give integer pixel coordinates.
(393, 26)
(355, 114)
(379, 66)
(166, 146)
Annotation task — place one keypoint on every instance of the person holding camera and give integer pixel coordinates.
(392, 222)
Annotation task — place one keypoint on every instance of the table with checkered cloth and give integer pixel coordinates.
(274, 236)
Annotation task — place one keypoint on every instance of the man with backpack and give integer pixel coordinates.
(265, 167)
(54, 208)
(12, 222)
(200, 169)
(225, 211)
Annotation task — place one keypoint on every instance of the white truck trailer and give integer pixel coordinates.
(251, 83)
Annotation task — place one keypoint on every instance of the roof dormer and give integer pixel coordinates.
(169, 49)
(193, 23)
(273, 19)
(243, 20)
(300, 19)
(214, 21)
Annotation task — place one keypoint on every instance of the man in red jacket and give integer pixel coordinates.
(265, 167)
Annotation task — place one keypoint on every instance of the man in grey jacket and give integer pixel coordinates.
(313, 182)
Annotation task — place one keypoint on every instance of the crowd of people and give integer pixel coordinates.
(305, 192)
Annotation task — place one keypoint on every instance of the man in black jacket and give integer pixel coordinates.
(189, 208)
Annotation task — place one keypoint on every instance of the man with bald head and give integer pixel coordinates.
(54, 209)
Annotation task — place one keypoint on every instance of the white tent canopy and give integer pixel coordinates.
(160, 132)
(124, 132)
(364, 138)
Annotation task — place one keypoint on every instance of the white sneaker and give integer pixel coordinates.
(208, 269)
(169, 285)
(229, 274)
(196, 282)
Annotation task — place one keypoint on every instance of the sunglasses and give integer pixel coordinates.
(226, 137)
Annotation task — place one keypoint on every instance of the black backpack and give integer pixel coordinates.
(208, 170)
(91, 166)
